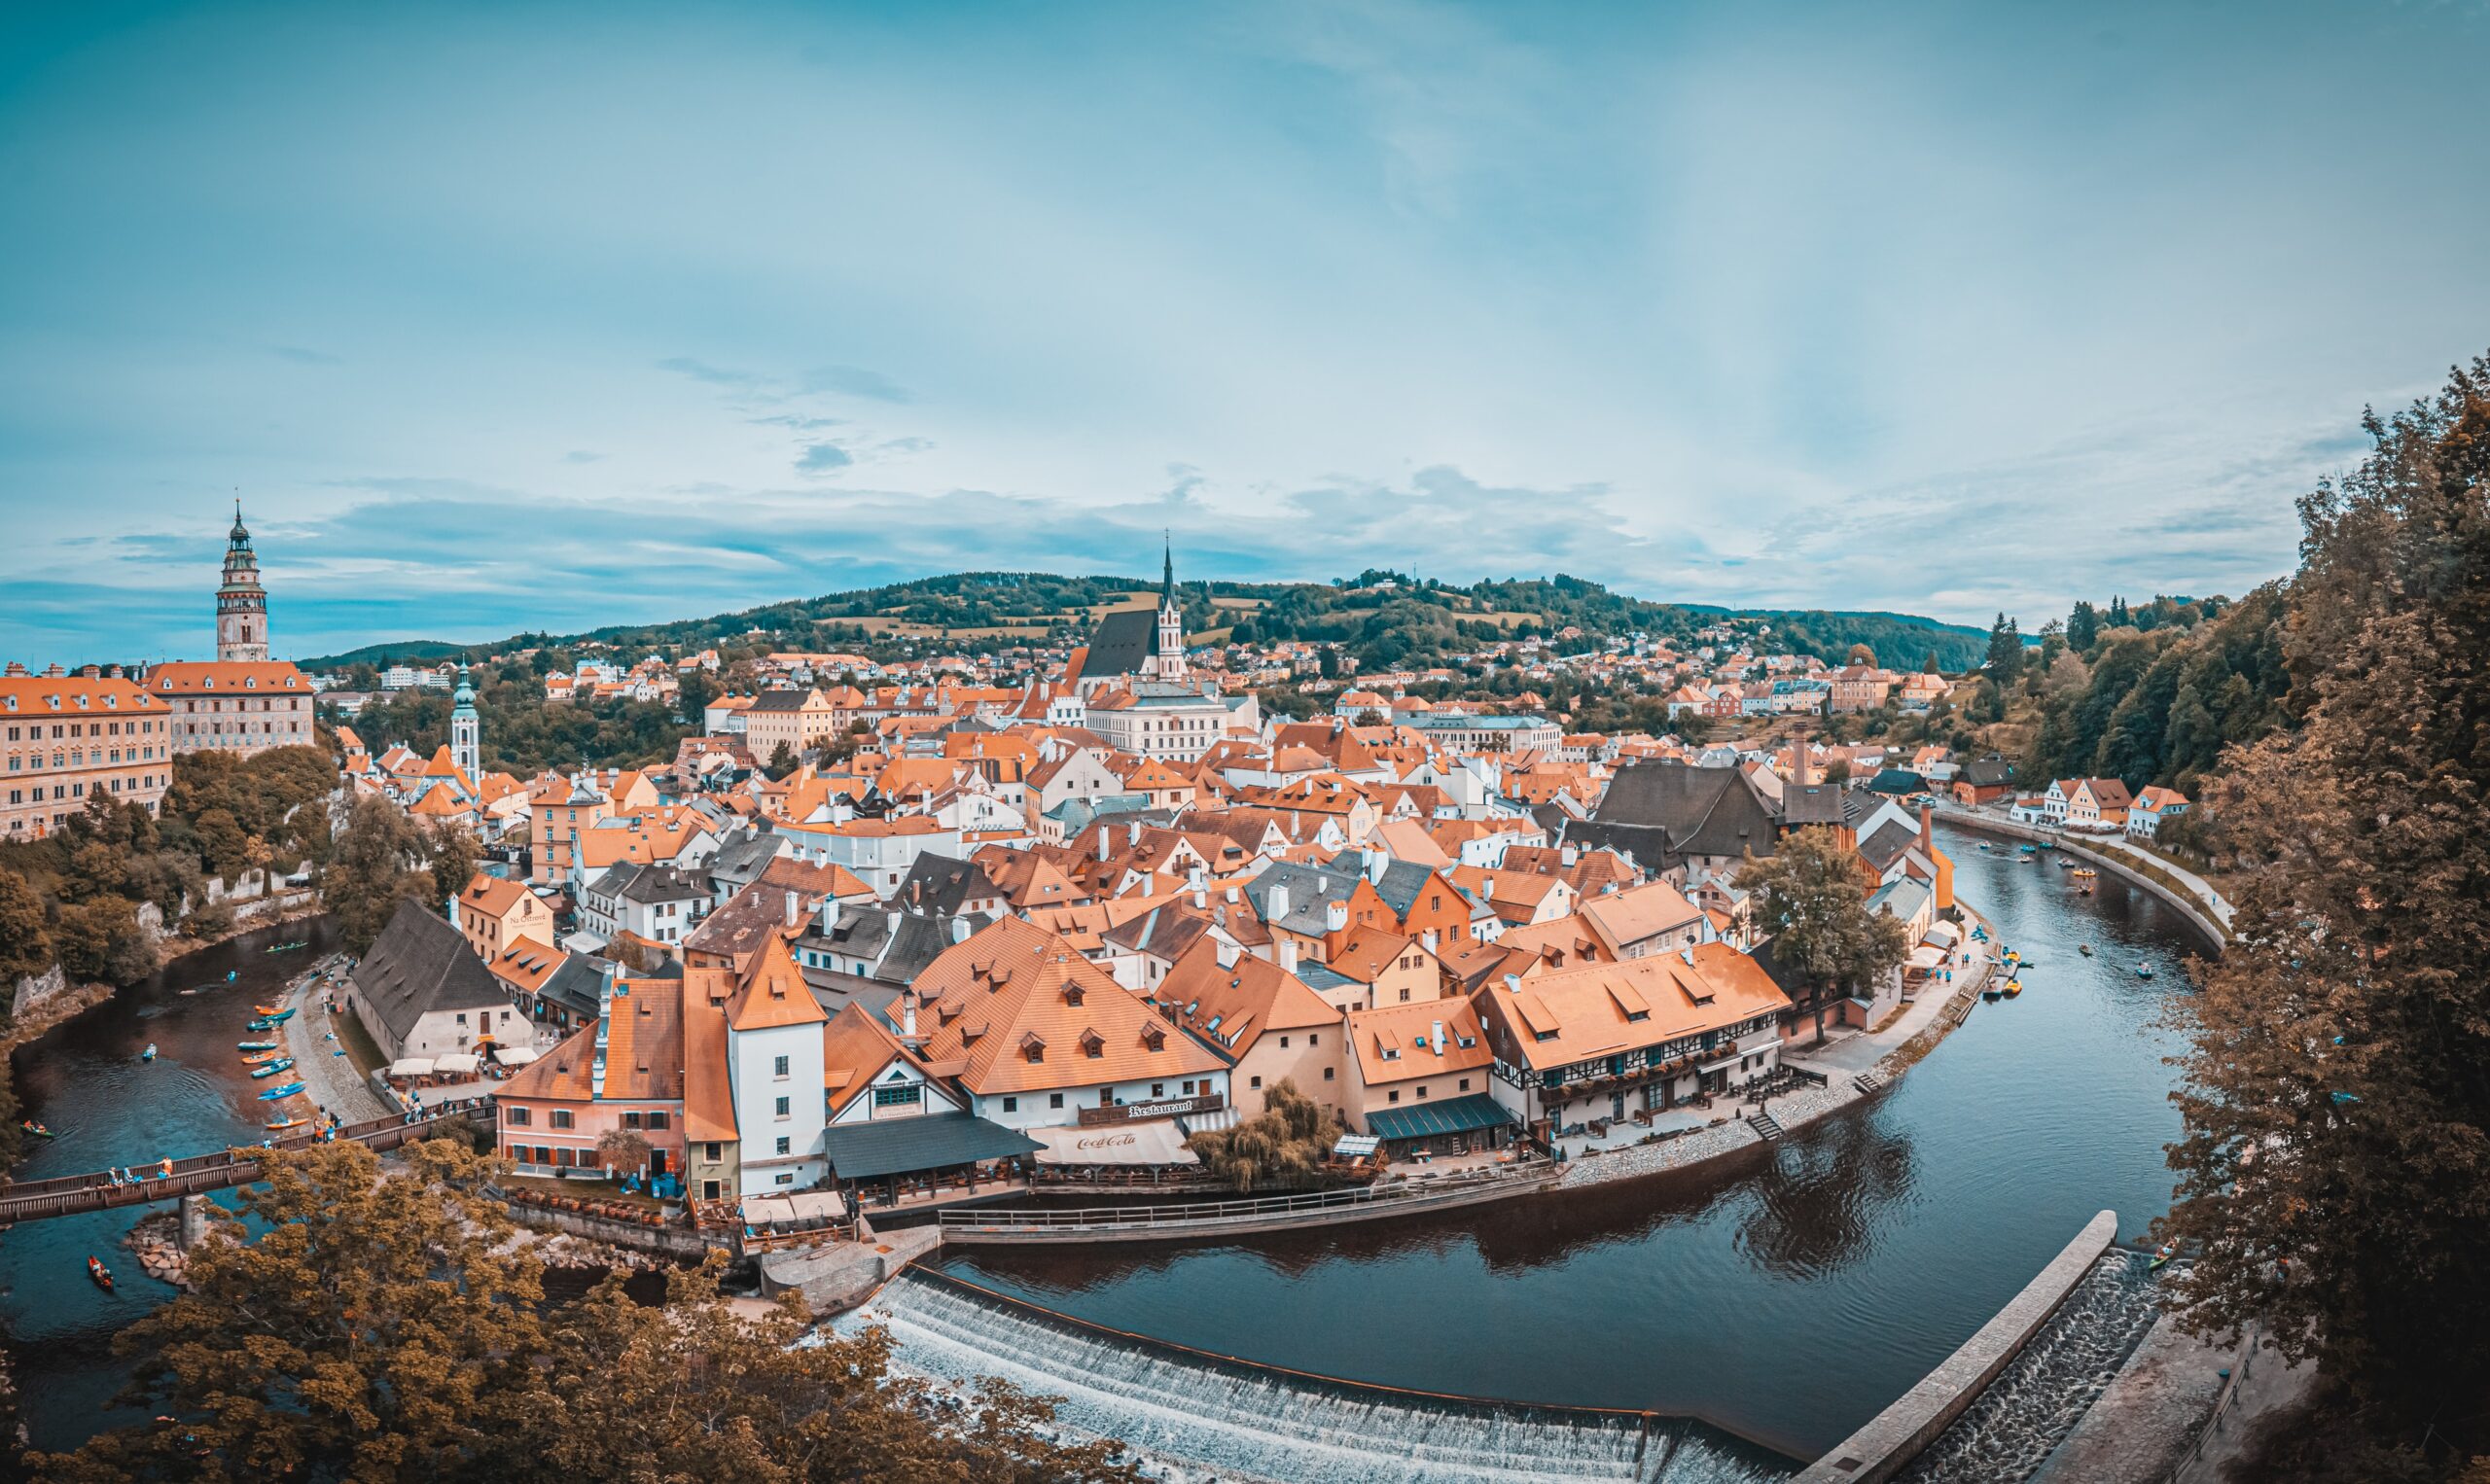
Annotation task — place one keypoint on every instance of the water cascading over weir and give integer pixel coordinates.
(1198, 1417)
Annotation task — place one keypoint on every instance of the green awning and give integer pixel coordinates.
(904, 1146)
(1453, 1116)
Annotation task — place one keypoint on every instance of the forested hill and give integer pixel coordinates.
(1383, 617)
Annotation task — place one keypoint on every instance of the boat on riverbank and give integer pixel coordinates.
(286, 1091)
(254, 1045)
(282, 1064)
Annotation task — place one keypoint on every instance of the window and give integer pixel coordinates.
(544, 1155)
(518, 1117)
(785, 1144)
(1465, 1084)
(1010, 1105)
(782, 1112)
(1394, 1096)
(630, 1120)
(1159, 1089)
(786, 1178)
(713, 1151)
(1258, 1081)
(1054, 1100)
(658, 1120)
(1313, 1038)
(907, 1096)
(561, 1117)
(1327, 1074)
(1422, 1090)
(1282, 1043)
(562, 1159)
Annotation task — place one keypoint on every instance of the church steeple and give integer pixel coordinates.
(1166, 584)
(1170, 661)
(466, 729)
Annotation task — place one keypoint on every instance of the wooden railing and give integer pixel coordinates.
(73, 1195)
(1251, 1212)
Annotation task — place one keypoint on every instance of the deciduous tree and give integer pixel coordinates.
(1811, 897)
(2337, 1092)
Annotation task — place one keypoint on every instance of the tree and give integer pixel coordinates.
(2082, 626)
(625, 1151)
(383, 1327)
(372, 868)
(1861, 655)
(2005, 664)
(454, 855)
(1283, 1145)
(2338, 1090)
(26, 945)
(101, 938)
(782, 761)
(221, 842)
(1811, 899)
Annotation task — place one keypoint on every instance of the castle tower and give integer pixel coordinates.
(1171, 625)
(241, 603)
(466, 729)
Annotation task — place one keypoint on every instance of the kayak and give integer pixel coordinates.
(149, 1054)
(102, 1275)
(29, 1126)
(278, 1017)
(2084, 948)
(2144, 970)
(268, 1009)
(286, 1091)
(282, 1124)
(255, 1045)
(283, 1064)
(261, 1058)
(2161, 1256)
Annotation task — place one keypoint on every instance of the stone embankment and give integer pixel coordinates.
(156, 1239)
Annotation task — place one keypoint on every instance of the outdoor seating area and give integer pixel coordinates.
(632, 1211)
(800, 1219)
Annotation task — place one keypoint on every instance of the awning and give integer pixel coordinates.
(513, 1056)
(1927, 956)
(932, 1141)
(1156, 1141)
(1355, 1146)
(1452, 1115)
(457, 1064)
(411, 1066)
(1943, 934)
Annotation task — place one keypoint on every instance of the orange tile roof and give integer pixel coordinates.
(643, 1052)
(708, 1097)
(1235, 1004)
(493, 896)
(1387, 1040)
(1012, 989)
(221, 676)
(774, 992)
(1573, 1014)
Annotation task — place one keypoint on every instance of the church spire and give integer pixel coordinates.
(1167, 583)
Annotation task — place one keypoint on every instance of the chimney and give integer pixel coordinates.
(1375, 862)
(1227, 952)
(1512, 982)
(1427, 937)
(1927, 831)
(1275, 905)
(1569, 855)
(1102, 843)
(907, 1017)
(795, 910)
(1132, 833)
(1438, 1039)
(1335, 917)
(959, 930)
(1287, 950)
(1800, 771)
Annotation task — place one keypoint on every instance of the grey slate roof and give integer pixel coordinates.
(780, 700)
(575, 985)
(1310, 888)
(1818, 803)
(1120, 642)
(1700, 811)
(1897, 781)
(1985, 772)
(1401, 883)
(1886, 846)
(420, 964)
(944, 884)
(740, 858)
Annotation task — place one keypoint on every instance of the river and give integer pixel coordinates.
(1785, 1296)
(85, 1080)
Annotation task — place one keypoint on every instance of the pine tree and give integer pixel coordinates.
(2084, 627)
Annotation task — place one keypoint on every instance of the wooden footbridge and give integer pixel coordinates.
(37, 1200)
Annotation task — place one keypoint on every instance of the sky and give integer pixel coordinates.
(510, 317)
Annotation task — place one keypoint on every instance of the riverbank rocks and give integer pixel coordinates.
(155, 1242)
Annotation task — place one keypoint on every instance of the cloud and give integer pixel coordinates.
(580, 456)
(823, 458)
(714, 376)
(851, 381)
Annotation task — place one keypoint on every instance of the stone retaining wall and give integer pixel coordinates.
(2013, 829)
(1894, 1436)
(660, 1241)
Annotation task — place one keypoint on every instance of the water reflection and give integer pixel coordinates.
(1816, 1206)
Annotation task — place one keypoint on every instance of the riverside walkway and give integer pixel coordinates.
(1276, 1213)
(71, 1195)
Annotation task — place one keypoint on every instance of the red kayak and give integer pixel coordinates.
(102, 1275)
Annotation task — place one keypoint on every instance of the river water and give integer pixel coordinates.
(1787, 1297)
(85, 1080)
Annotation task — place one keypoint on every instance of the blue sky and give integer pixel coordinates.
(520, 316)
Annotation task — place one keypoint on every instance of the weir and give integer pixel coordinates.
(1198, 1416)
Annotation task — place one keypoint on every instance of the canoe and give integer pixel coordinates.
(278, 1017)
(2014, 987)
(149, 1054)
(35, 1129)
(273, 1068)
(2144, 970)
(2161, 1256)
(2084, 948)
(102, 1275)
(255, 1045)
(269, 1009)
(261, 1058)
(286, 1091)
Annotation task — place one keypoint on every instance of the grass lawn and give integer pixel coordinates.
(577, 1190)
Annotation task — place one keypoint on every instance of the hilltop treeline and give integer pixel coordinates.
(2152, 694)
(1409, 622)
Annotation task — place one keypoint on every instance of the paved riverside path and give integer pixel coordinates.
(73, 1195)
(330, 1078)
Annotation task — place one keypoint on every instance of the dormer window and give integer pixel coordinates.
(1154, 1038)
(1072, 994)
(1093, 1044)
